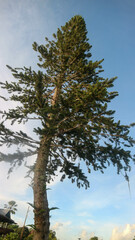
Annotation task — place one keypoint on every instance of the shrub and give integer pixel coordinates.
(25, 232)
(11, 236)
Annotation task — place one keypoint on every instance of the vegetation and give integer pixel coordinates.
(69, 98)
(12, 206)
(52, 235)
(94, 238)
(10, 236)
(27, 234)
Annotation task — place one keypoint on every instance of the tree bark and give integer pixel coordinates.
(41, 210)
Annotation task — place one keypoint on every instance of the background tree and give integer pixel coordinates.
(94, 238)
(52, 235)
(70, 99)
(12, 206)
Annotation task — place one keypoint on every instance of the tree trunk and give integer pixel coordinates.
(41, 210)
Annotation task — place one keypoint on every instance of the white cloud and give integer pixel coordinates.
(16, 185)
(67, 223)
(85, 235)
(123, 233)
(89, 204)
(19, 23)
(115, 195)
(63, 229)
(57, 225)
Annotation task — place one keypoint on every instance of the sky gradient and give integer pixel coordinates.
(106, 209)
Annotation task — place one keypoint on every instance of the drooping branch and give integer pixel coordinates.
(10, 137)
(16, 159)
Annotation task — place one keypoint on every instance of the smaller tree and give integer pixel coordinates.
(12, 206)
(94, 238)
(52, 235)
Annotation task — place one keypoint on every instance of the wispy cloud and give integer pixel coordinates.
(59, 225)
(109, 195)
(86, 235)
(22, 23)
(83, 214)
(91, 221)
(16, 185)
(63, 229)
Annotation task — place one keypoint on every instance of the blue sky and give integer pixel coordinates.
(106, 209)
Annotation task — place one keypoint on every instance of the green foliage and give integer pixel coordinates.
(26, 236)
(30, 237)
(32, 226)
(52, 235)
(11, 236)
(17, 232)
(25, 232)
(94, 238)
(14, 227)
(12, 206)
(70, 99)
(53, 208)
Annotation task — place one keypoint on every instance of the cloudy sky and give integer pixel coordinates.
(107, 208)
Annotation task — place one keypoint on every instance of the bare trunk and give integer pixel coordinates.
(41, 210)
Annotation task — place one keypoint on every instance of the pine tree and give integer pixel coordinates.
(70, 99)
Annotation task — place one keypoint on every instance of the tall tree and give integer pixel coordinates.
(70, 99)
